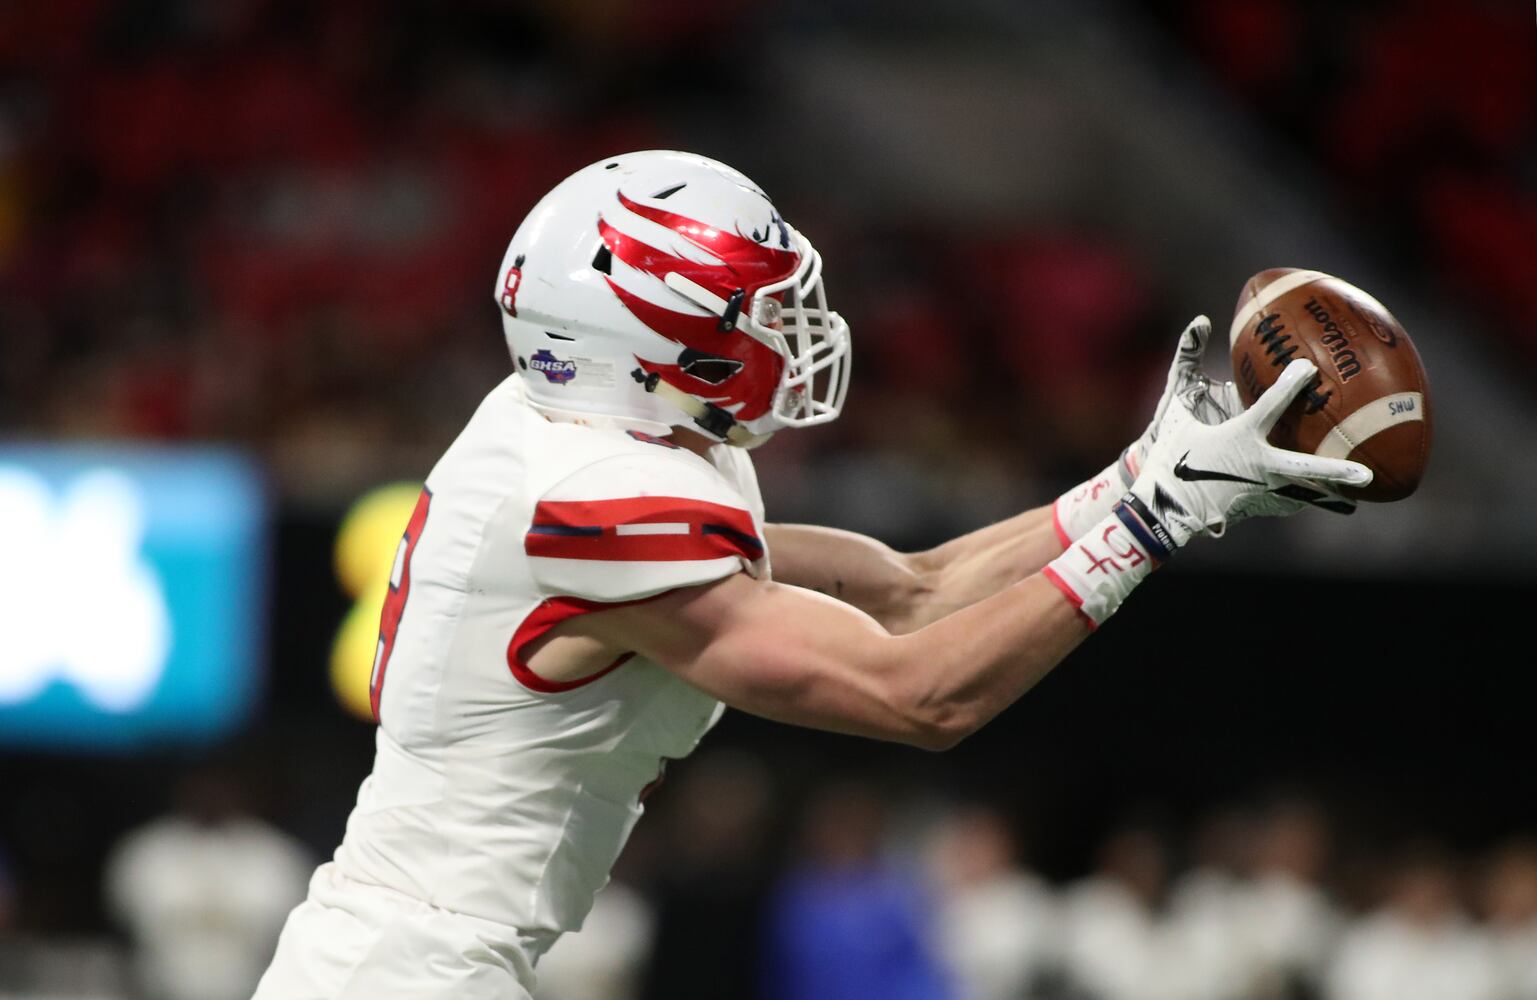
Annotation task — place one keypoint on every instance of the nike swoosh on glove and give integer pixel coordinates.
(1279, 501)
(1196, 477)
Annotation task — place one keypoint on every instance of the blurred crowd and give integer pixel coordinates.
(277, 224)
(924, 899)
(855, 888)
(263, 222)
(1422, 116)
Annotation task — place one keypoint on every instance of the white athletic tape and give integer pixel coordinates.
(1267, 295)
(1088, 503)
(1373, 418)
(1099, 570)
(667, 528)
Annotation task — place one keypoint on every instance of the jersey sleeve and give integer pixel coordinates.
(631, 527)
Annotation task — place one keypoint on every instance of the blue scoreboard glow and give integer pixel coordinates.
(131, 594)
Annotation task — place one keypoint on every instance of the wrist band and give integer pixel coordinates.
(1145, 528)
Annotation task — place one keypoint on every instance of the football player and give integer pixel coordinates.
(586, 580)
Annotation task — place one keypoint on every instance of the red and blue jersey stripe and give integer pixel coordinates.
(641, 529)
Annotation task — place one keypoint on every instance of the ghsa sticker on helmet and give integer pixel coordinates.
(553, 368)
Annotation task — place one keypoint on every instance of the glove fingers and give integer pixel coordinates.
(1224, 396)
(1316, 498)
(1269, 407)
(1187, 362)
(1330, 471)
(1192, 346)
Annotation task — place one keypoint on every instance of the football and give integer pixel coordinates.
(1370, 401)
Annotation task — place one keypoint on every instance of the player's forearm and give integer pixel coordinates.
(796, 658)
(787, 654)
(856, 569)
(977, 565)
(905, 592)
(965, 668)
(957, 673)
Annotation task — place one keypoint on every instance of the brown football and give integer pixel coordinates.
(1370, 401)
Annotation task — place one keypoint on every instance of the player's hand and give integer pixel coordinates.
(1279, 501)
(1198, 477)
(1213, 403)
(1081, 507)
(1086, 504)
(1187, 378)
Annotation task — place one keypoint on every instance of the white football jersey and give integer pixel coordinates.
(497, 794)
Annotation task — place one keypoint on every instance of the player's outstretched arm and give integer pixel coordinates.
(800, 657)
(906, 591)
(794, 655)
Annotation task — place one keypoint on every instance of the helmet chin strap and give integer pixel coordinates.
(715, 421)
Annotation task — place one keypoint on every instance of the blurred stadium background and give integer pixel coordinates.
(246, 257)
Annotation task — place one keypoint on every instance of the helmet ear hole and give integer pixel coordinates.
(711, 368)
(603, 261)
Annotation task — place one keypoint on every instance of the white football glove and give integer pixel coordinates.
(1211, 403)
(1197, 477)
(1222, 403)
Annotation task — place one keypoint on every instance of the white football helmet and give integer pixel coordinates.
(658, 289)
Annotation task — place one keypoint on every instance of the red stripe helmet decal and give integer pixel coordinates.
(744, 263)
